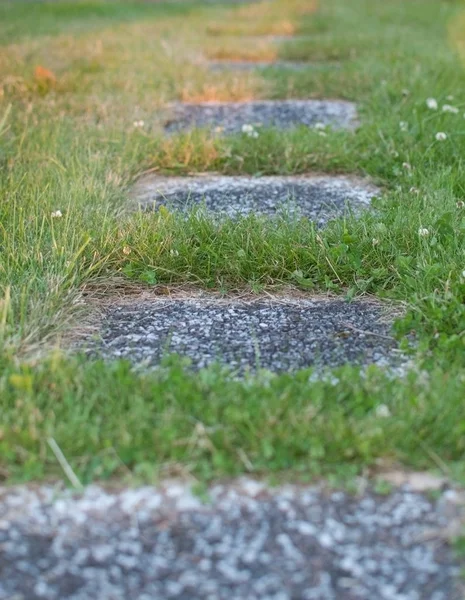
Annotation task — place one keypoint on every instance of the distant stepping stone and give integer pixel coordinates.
(247, 65)
(319, 198)
(281, 335)
(229, 117)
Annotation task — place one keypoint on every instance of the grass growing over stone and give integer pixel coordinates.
(68, 144)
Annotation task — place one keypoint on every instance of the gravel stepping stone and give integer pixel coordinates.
(229, 117)
(247, 541)
(247, 65)
(320, 198)
(279, 335)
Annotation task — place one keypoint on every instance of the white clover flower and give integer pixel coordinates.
(407, 166)
(441, 136)
(460, 204)
(138, 124)
(449, 98)
(375, 241)
(463, 274)
(322, 134)
(56, 214)
(246, 128)
(403, 125)
(432, 103)
(382, 411)
(423, 232)
(320, 126)
(450, 109)
(253, 134)
(126, 250)
(414, 190)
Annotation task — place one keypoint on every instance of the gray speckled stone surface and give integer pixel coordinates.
(318, 197)
(247, 65)
(278, 335)
(283, 114)
(247, 542)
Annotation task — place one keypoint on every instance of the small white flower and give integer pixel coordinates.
(320, 126)
(253, 134)
(432, 103)
(414, 190)
(423, 232)
(403, 126)
(450, 109)
(407, 166)
(246, 128)
(463, 274)
(449, 98)
(138, 124)
(441, 136)
(460, 204)
(56, 214)
(375, 241)
(382, 411)
(322, 134)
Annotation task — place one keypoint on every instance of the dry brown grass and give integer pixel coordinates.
(265, 18)
(236, 89)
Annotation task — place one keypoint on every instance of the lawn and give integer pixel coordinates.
(74, 79)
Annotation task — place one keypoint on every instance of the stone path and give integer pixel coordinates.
(230, 117)
(247, 541)
(247, 65)
(319, 198)
(284, 334)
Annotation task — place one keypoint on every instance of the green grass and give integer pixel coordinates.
(70, 145)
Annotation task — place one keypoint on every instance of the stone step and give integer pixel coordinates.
(319, 198)
(281, 334)
(230, 117)
(248, 65)
(248, 541)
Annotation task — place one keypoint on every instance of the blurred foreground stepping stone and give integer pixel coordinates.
(282, 334)
(247, 541)
(319, 198)
(230, 117)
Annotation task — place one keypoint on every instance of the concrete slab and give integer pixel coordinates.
(247, 65)
(249, 541)
(317, 197)
(282, 334)
(230, 117)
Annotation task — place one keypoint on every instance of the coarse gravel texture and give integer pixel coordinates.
(277, 335)
(318, 198)
(245, 541)
(229, 117)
